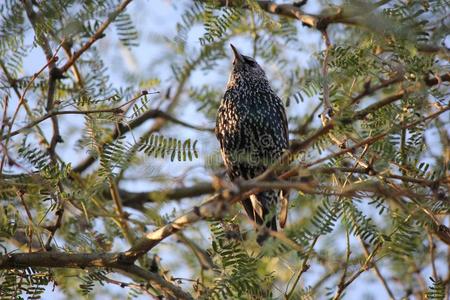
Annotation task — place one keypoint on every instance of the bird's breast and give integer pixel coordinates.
(252, 117)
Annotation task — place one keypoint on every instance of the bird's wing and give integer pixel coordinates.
(284, 194)
(282, 111)
(223, 138)
(217, 129)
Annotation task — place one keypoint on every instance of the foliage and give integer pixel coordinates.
(236, 272)
(27, 282)
(159, 146)
(82, 134)
(436, 290)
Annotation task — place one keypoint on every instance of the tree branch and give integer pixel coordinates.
(54, 73)
(21, 101)
(96, 36)
(137, 200)
(13, 84)
(370, 90)
(291, 11)
(327, 108)
(390, 99)
(358, 13)
(114, 261)
(377, 137)
(377, 271)
(216, 207)
(50, 114)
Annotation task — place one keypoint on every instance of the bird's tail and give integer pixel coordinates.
(262, 208)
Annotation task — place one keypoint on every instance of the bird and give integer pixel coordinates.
(252, 130)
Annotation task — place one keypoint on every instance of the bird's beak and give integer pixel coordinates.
(237, 55)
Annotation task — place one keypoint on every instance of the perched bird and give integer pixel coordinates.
(252, 130)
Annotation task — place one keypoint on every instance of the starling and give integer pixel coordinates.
(252, 130)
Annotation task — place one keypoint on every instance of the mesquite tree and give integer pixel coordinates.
(111, 181)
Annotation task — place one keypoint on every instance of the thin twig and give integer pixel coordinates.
(327, 108)
(96, 36)
(30, 114)
(30, 219)
(377, 137)
(431, 250)
(347, 258)
(120, 212)
(4, 119)
(122, 284)
(378, 272)
(370, 90)
(368, 263)
(21, 101)
(117, 110)
(54, 74)
(303, 269)
(304, 127)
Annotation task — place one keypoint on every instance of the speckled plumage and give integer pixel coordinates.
(252, 129)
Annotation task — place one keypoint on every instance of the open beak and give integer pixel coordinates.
(237, 55)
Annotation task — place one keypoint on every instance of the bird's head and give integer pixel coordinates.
(246, 68)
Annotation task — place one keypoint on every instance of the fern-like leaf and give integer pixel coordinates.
(160, 146)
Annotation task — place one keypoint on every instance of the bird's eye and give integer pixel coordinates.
(250, 62)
